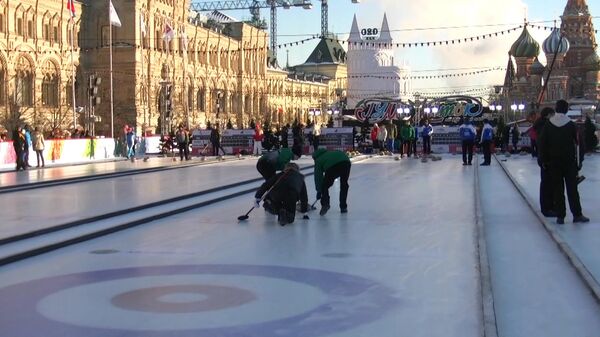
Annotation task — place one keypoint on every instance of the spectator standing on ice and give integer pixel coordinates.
(515, 134)
(382, 136)
(487, 134)
(558, 152)
(330, 165)
(392, 132)
(407, 134)
(38, 146)
(18, 139)
(467, 135)
(426, 135)
(28, 145)
(375, 136)
(130, 139)
(215, 140)
(546, 191)
(258, 139)
(183, 143)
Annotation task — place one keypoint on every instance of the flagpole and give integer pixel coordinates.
(73, 72)
(112, 122)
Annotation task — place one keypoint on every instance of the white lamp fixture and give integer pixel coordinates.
(435, 109)
(406, 110)
(329, 112)
(427, 110)
(498, 107)
(521, 107)
(492, 107)
(513, 107)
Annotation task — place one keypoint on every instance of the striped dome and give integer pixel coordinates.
(525, 46)
(537, 68)
(592, 62)
(550, 45)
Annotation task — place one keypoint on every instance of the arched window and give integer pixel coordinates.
(24, 83)
(2, 85)
(50, 85)
(200, 100)
(50, 91)
(190, 97)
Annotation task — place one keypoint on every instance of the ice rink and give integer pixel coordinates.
(406, 260)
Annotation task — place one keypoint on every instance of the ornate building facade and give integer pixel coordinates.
(168, 69)
(573, 66)
(372, 71)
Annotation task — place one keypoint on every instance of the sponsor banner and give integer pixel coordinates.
(64, 150)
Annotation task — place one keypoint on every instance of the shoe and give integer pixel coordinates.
(485, 164)
(581, 218)
(560, 221)
(344, 210)
(580, 179)
(282, 217)
(324, 210)
(549, 214)
(465, 164)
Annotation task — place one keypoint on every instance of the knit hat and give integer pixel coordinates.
(562, 106)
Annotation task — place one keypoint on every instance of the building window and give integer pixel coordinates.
(24, 88)
(190, 98)
(200, 100)
(46, 32)
(30, 29)
(55, 36)
(20, 26)
(50, 91)
(1, 23)
(2, 87)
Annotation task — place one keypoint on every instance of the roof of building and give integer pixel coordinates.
(327, 51)
(537, 68)
(525, 46)
(554, 43)
(575, 8)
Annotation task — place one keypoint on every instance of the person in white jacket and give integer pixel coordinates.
(382, 135)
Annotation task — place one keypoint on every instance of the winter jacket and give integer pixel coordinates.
(558, 141)
(278, 158)
(38, 141)
(323, 161)
(515, 134)
(407, 132)
(374, 132)
(427, 130)
(292, 182)
(258, 136)
(467, 132)
(487, 133)
(391, 130)
(382, 134)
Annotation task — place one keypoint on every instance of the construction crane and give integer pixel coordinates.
(325, 17)
(254, 7)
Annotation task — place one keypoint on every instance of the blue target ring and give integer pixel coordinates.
(351, 301)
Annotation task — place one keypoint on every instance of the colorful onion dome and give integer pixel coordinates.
(537, 68)
(525, 46)
(592, 62)
(551, 44)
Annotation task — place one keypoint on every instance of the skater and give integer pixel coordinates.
(558, 154)
(330, 165)
(546, 192)
(382, 136)
(289, 188)
(467, 135)
(274, 161)
(487, 134)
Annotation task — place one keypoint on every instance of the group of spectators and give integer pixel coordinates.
(402, 138)
(24, 139)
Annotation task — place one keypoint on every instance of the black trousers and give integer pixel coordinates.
(283, 200)
(215, 148)
(266, 169)
(184, 151)
(40, 157)
(342, 171)
(546, 191)
(487, 152)
(426, 144)
(467, 151)
(565, 175)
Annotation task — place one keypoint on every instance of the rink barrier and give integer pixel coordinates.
(563, 246)
(127, 225)
(490, 327)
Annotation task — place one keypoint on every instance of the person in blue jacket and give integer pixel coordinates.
(330, 165)
(487, 134)
(426, 133)
(467, 136)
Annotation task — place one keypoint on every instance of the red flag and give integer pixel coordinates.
(71, 7)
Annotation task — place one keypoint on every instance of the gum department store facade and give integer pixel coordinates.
(208, 72)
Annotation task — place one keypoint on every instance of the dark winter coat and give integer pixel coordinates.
(558, 140)
(292, 183)
(278, 158)
(323, 161)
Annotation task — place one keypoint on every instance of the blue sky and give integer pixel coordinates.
(475, 17)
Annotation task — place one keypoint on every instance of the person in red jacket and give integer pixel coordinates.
(374, 134)
(258, 138)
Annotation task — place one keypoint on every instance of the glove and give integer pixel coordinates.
(318, 195)
(256, 203)
(305, 216)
